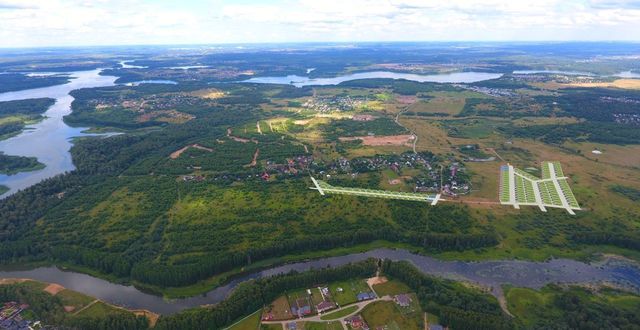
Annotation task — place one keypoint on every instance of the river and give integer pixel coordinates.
(50, 139)
(454, 77)
(490, 274)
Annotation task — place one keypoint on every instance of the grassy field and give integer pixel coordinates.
(322, 326)
(450, 103)
(391, 288)
(350, 289)
(279, 309)
(99, 310)
(533, 307)
(341, 313)
(251, 322)
(385, 313)
(75, 299)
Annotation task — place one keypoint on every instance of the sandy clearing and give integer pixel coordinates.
(235, 138)
(12, 280)
(406, 99)
(179, 152)
(397, 140)
(618, 83)
(299, 122)
(376, 280)
(53, 289)
(210, 93)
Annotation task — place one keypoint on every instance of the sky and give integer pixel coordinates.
(46, 23)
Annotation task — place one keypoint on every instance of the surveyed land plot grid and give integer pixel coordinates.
(325, 188)
(518, 187)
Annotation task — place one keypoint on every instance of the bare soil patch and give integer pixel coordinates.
(406, 99)
(376, 280)
(168, 116)
(12, 280)
(53, 289)
(179, 152)
(397, 140)
(278, 310)
(210, 93)
(618, 83)
(237, 139)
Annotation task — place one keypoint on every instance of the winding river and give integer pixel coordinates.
(490, 274)
(50, 139)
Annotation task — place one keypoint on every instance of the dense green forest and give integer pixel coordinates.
(600, 132)
(559, 307)
(15, 164)
(25, 107)
(456, 306)
(17, 81)
(14, 115)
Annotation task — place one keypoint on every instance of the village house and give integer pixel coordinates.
(402, 300)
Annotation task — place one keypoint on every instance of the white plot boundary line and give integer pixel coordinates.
(539, 201)
(325, 188)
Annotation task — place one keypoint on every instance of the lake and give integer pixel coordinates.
(50, 139)
(489, 274)
(454, 77)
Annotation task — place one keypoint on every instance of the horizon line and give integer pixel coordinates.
(326, 43)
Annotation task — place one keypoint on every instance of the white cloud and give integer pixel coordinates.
(84, 22)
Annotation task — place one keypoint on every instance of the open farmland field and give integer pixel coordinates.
(387, 314)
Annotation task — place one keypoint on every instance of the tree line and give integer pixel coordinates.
(251, 296)
(456, 306)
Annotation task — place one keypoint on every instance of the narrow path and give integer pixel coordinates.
(502, 300)
(85, 307)
(415, 136)
(254, 161)
(563, 199)
(496, 153)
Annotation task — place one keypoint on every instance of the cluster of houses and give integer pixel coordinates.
(427, 181)
(627, 118)
(149, 102)
(11, 318)
(302, 306)
(382, 162)
(290, 165)
(495, 92)
(455, 185)
(335, 103)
